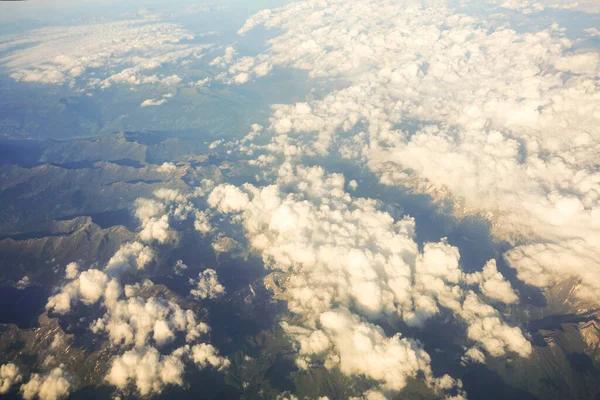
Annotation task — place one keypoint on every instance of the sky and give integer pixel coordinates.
(492, 107)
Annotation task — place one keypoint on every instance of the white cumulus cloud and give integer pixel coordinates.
(207, 285)
(54, 385)
(9, 376)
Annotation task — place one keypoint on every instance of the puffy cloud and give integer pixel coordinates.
(207, 285)
(474, 355)
(493, 284)
(205, 355)
(148, 208)
(132, 255)
(136, 316)
(309, 341)
(546, 264)
(167, 167)
(240, 70)
(426, 104)
(9, 375)
(157, 229)
(343, 253)
(52, 386)
(215, 144)
(148, 370)
(155, 215)
(91, 285)
(226, 59)
(58, 55)
(153, 102)
(72, 270)
(224, 244)
(593, 32)
(139, 318)
(170, 195)
(23, 283)
(490, 332)
(136, 320)
(364, 349)
(202, 222)
(179, 267)
(584, 63)
(201, 82)
(61, 302)
(228, 198)
(171, 80)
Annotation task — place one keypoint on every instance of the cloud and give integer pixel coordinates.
(147, 369)
(240, 70)
(202, 222)
(227, 198)
(493, 335)
(92, 284)
(350, 263)
(155, 215)
(9, 376)
(474, 355)
(52, 386)
(23, 283)
(171, 80)
(167, 167)
(533, 6)
(132, 255)
(61, 302)
(72, 270)
(594, 32)
(525, 6)
(134, 320)
(364, 349)
(205, 355)
(158, 229)
(207, 285)
(547, 264)
(223, 244)
(153, 102)
(89, 286)
(134, 48)
(493, 284)
(179, 267)
(425, 104)
(138, 321)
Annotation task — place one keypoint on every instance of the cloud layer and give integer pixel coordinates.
(534, 6)
(134, 48)
(349, 263)
(503, 123)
